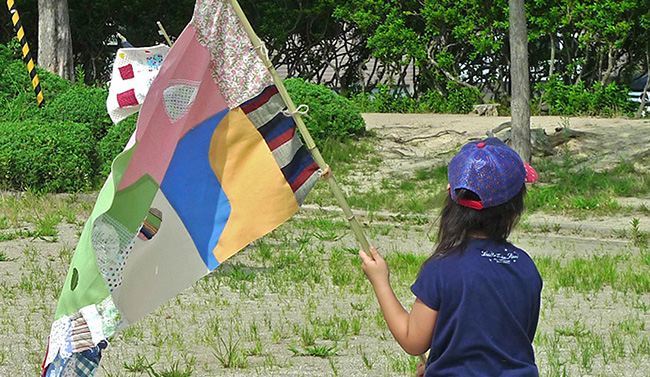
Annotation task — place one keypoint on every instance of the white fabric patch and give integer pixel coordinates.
(112, 243)
(60, 340)
(106, 243)
(94, 322)
(178, 99)
(111, 317)
(139, 67)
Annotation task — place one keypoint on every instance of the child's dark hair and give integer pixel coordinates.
(459, 223)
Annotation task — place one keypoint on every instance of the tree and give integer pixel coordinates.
(520, 80)
(307, 39)
(54, 38)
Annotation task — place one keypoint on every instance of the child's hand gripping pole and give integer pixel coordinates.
(376, 269)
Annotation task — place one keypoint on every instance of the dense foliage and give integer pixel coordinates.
(601, 100)
(330, 115)
(385, 99)
(466, 41)
(47, 156)
(114, 142)
(354, 46)
(54, 148)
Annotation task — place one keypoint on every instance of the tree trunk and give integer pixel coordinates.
(519, 77)
(610, 66)
(551, 67)
(646, 87)
(54, 39)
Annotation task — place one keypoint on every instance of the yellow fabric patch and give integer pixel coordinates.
(259, 195)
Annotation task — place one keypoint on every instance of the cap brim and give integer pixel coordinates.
(531, 174)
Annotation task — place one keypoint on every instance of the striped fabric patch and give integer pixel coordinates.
(279, 132)
(151, 224)
(81, 336)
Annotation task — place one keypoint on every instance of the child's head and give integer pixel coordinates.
(486, 194)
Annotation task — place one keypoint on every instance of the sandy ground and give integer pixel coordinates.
(410, 141)
(407, 142)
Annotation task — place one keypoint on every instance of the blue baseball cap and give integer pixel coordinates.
(491, 169)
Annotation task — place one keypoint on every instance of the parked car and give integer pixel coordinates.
(636, 93)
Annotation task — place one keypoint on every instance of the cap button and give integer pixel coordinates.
(480, 145)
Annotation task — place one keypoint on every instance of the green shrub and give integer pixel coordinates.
(52, 85)
(17, 98)
(46, 157)
(81, 104)
(114, 142)
(385, 99)
(330, 115)
(599, 100)
(21, 106)
(456, 100)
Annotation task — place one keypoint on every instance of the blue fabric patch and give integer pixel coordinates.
(195, 192)
(80, 364)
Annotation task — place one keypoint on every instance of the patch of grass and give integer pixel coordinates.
(47, 224)
(401, 363)
(340, 154)
(622, 272)
(4, 222)
(639, 237)
(344, 268)
(139, 364)
(398, 195)
(229, 352)
(173, 371)
(315, 350)
(405, 267)
(568, 186)
(8, 236)
(5, 258)
(577, 330)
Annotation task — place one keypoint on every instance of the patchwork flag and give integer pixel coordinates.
(213, 165)
(134, 70)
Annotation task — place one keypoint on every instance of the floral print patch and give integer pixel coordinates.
(237, 68)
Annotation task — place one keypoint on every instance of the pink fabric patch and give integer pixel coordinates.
(127, 99)
(126, 72)
(187, 61)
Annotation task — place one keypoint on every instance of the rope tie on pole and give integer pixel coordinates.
(302, 110)
(264, 54)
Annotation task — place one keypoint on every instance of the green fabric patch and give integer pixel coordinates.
(129, 206)
(153, 218)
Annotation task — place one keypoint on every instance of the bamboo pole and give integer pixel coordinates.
(309, 141)
(163, 32)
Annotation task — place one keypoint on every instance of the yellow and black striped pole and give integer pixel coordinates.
(27, 56)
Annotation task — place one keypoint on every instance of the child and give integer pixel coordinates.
(478, 296)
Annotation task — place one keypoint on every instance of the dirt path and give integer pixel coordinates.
(411, 141)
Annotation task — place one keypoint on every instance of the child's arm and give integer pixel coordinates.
(413, 331)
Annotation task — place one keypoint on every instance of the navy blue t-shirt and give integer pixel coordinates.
(487, 300)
